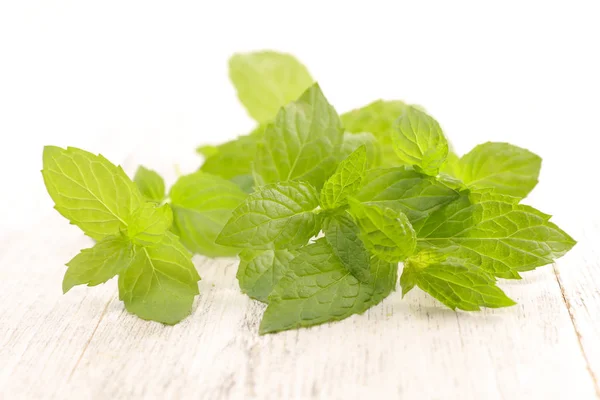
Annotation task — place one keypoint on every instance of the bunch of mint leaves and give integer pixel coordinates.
(320, 207)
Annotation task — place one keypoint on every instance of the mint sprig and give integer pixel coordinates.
(320, 207)
(157, 279)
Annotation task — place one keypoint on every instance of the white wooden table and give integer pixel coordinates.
(84, 345)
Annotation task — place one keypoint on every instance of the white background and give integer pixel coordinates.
(119, 77)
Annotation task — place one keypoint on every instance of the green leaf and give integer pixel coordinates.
(386, 232)
(302, 143)
(160, 283)
(89, 191)
(277, 216)
(231, 159)
(150, 223)
(346, 180)
(407, 281)
(451, 182)
(378, 119)
(342, 234)
(266, 81)
(457, 285)
(496, 233)
(319, 289)
(209, 150)
(353, 141)
(451, 165)
(418, 140)
(420, 260)
(98, 264)
(260, 270)
(417, 195)
(150, 184)
(244, 182)
(202, 203)
(507, 169)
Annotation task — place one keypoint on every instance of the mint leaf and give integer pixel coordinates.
(418, 140)
(462, 286)
(342, 234)
(98, 264)
(420, 260)
(451, 166)
(231, 159)
(496, 233)
(346, 180)
(160, 283)
(150, 223)
(202, 203)
(266, 81)
(244, 182)
(89, 191)
(277, 216)
(353, 141)
(378, 119)
(507, 169)
(451, 182)
(302, 143)
(386, 232)
(209, 150)
(319, 289)
(407, 281)
(150, 184)
(417, 195)
(260, 270)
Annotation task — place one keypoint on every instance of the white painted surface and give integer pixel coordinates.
(84, 345)
(145, 82)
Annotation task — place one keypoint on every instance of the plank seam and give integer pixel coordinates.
(577, 333)
(104, 311)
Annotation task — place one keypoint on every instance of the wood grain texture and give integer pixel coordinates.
(84, 345)
(578, 275)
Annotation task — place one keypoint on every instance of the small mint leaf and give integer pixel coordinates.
(90, 191)
(346, 180)
(160, 283)
(260, 270)
(150, 184)
(343, 235)
(319, 289)
(418, 140)
(266, 81)
(202, 203)
(98, 264)
(386, 232)
(277, 216)
(302, 143)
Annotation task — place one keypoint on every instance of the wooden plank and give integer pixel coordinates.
(579, 279)
(577, 273)
(414, 348)
(42, 333)
(84, 345)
